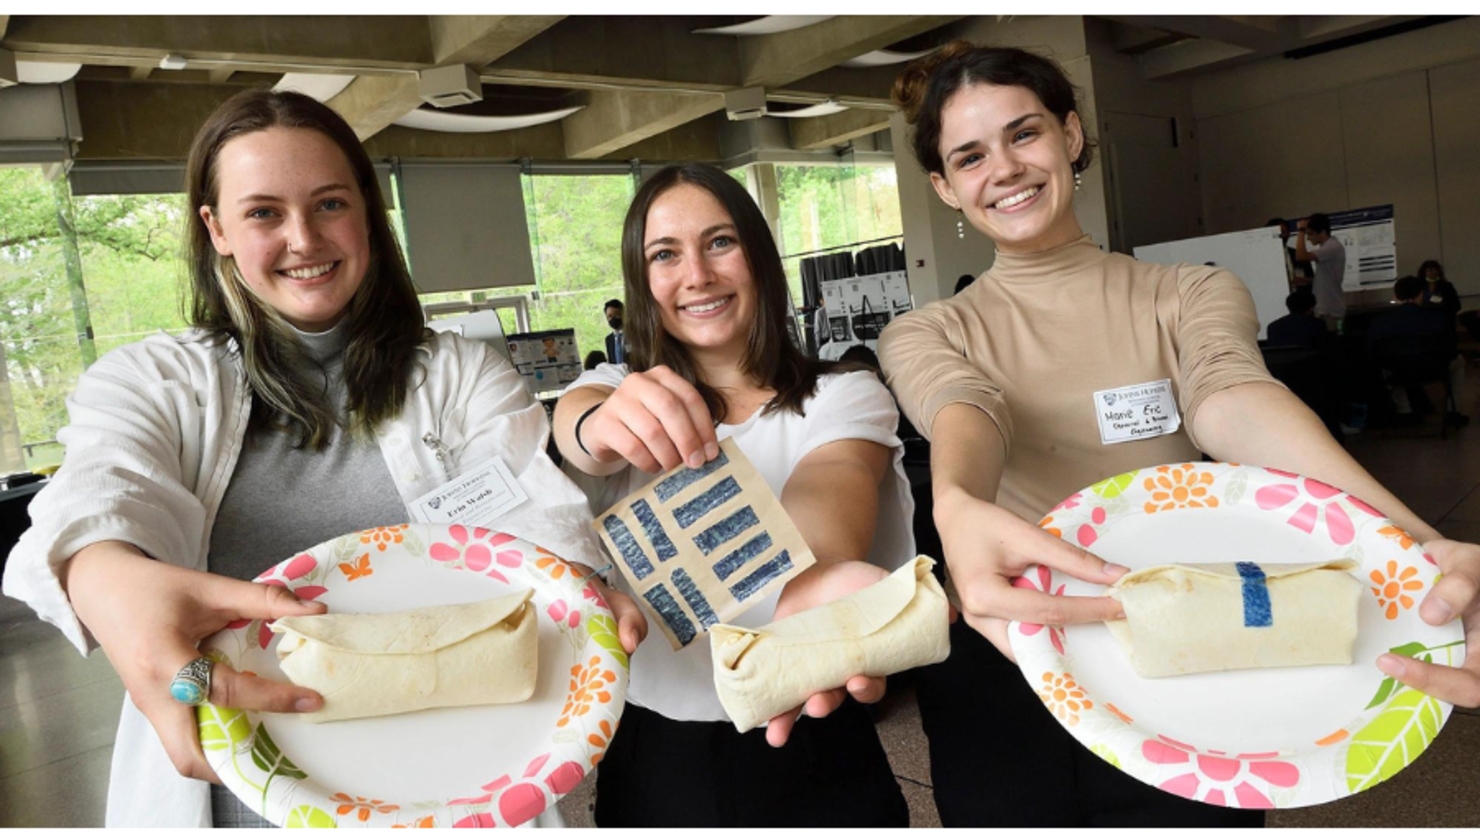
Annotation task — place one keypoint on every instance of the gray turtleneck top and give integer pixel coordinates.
(282, 500)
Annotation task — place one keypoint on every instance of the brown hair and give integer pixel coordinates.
(771, 358)
(384, 316)
(924, 86)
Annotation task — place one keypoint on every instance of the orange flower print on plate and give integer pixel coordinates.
(1047, 525)
(361, 806)
(1064, 697)
(550, 564)
(358, 568)
(1404, 539)
(1390, 589)
(1179, 487)
(587, 685)
(601, 741)
(382, 536)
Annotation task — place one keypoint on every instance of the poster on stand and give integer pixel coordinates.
(1371, 246)
(858, 309)
(548, 360)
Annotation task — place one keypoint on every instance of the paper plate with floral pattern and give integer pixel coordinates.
(1257, 738)
(483, 766)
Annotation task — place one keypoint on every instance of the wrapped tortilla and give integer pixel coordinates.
(899, 623)
(1191, 618)
(369, 664)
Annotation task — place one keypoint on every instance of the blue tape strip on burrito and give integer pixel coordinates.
(1257, 613)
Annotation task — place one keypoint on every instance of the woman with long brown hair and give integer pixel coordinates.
(709, 357)
(308, 401)
(1001, 379)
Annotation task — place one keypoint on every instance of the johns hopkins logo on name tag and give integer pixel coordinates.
(1137, 412)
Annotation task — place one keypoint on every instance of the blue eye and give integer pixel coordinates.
(333, 203)
(722, 242)
(661, 255)
(968, 160)
(259, 214)
(1025, 134)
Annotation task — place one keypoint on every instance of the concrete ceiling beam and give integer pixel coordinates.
(241, 42)
(1189, 55)
(774, 60)
(827, 131)
(4, 23)
(371, 103)
(614, 119)
(629, 51)
(1254, 33)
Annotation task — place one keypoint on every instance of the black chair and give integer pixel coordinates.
(1414, 360)
(1311, 374)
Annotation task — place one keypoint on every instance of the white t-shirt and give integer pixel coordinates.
(1330, 272)
(680, 684)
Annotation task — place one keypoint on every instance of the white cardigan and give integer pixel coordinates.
(156, 428)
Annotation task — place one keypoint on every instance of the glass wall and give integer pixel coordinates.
(826, 206)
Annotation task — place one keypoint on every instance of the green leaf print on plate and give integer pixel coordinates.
(1107, 755)
(271, 760)
(222, 728)
(305, 815)
(1397, 736)
(1113, 487)
(603, 630)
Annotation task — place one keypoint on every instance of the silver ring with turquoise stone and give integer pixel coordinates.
(192, 684)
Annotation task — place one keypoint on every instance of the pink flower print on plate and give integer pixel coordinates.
(1214, 777)
(559, 612)
(1041, 578)
(476, 549)
(1312, 498)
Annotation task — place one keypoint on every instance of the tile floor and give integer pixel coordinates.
(58, 711)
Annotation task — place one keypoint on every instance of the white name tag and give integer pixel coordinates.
(1137, 412)
(473, 499)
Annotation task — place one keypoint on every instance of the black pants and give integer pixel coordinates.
(671, 773)
(999, 759)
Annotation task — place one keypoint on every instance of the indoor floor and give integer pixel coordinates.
(58, 711)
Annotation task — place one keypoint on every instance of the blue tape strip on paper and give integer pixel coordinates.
(670, 486)
(628, 547)
(1257, 613)
(696, 600)
(667, 607)
(747, 587)
(662, 545)
(726, 566)
(689, 513)
(726, 530)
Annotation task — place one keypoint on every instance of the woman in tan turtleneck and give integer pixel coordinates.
(1001, 378)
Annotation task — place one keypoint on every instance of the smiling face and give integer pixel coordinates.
(1008, 166)
(290, 213)
(698, 274)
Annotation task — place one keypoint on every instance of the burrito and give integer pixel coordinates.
(1191, 618)
(366, 665)
(899, 623)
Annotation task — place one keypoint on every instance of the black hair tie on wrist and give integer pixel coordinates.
(581, 419)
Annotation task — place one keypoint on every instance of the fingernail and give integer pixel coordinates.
(696, 460)
(1390, 665)
(711, 451)
(1436, 610)
(305, 704)
(1116, 570)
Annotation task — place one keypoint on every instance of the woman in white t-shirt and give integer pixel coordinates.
(709, 357)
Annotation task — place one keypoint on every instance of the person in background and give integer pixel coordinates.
(1003, 381)
(1316, 245)
(1299, 327)
(296, 410)
(616, 341)
(711, 359)
(593, 358)
(963, 282)
(1412, 318)
(1439, 293)
(1294, 278)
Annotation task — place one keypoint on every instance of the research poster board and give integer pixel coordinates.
(858, 309)
(1370, 238)
(1256, 256)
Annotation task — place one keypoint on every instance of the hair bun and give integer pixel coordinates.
(913, 81)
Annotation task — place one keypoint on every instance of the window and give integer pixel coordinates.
(823, 206)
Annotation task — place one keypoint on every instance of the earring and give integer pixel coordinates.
(1078, 181)
(960, 225)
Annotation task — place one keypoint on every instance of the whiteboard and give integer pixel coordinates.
(1257, 256)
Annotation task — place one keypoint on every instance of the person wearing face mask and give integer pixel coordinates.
(616, 341)
(711, 359)
(1001, 380)
(308, 401)
(1314, 244)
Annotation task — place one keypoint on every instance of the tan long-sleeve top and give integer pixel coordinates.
(1035, 339)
